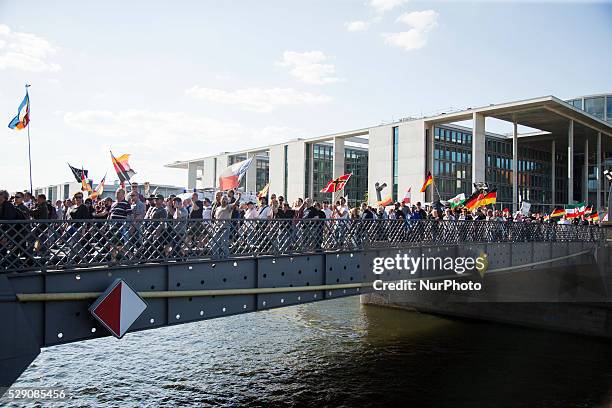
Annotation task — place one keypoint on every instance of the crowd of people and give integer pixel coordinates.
(188, 227)
(133, 205)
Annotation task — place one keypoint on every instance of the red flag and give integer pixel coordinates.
(336, 184)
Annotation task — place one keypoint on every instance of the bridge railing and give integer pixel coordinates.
(60, 244)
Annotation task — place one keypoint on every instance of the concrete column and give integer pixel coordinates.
(570, 162)
(429, 196)
(553, 173)
(599, 172)
(585, 172)
(310, 147)
(338, 163)
(192, 175)
(478, 148)
(251, 174)
(514, 166)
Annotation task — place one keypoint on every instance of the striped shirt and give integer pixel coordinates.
(119, 210)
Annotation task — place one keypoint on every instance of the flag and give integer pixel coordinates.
(574, 210)
(489, 198)
(85, 186)
(593, 217)
(78, 173)
(99, 189)
(336, 184)
(457, 200)
(557, 212)
(264, 191)
(122, 167)
(388, 200)
(231, 176)
(407, 196)
(23, 114)
(428, 181)
(473, 201)
(588, 210)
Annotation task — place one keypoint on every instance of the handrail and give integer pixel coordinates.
(37, 245)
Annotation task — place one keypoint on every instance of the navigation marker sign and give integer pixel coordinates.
(118, 308)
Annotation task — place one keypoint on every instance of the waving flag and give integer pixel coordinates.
(231, 176)
(407, 196)
(122, 167)
(457, 200)
(489, 198)
(99, 189)
(557, 212)
(336, 184)
(78, 173)
(388, 200)
(84, 183)
(264, 191)
(473, 201)
(23, 114)
(428, 181)
(574, 210)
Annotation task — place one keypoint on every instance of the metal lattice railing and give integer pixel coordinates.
(52, 245)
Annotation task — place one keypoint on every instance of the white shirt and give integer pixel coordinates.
(251, 214)
(207, 213)
(264, 212)
(343, 212)
(328, 212)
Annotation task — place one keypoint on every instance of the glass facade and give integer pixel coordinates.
(355, 161)
(534, 171)
(395, 163)
(595, 106)
(452, 161)
(599, 106)
(263, 176)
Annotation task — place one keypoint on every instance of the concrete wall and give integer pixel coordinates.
(208, 176)
(412, 159)
(296, 155)
(277, 169)
(380, 167)
(222, 164)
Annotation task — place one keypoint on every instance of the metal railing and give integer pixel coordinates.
(52, 245)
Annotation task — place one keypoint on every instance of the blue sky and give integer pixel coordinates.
(167, 81)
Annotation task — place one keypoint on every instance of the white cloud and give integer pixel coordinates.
(357, 25)
(168, 132)
(258, 99)
(421, 23)
(382, 6)
(310, 67)
(26, 52)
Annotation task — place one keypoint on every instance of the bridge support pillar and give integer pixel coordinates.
(18, 345)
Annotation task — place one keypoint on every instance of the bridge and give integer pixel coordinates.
(189, 270)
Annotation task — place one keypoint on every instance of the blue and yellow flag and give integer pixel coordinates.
(23, 114)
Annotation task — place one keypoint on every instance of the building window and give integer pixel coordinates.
(595, 106)
(66, 191)
(609, 108)
(395, 163)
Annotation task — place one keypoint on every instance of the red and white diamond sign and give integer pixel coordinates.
(118, 308)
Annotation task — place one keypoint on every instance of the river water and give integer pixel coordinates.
(334, 353)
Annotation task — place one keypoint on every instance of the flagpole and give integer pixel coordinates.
(29, 144)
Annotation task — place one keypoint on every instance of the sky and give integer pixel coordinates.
(167, 81)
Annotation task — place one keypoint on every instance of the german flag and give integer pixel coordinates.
(428, 181)
(557, 212)
(264, 191)
(489, 198)
(593, 217)
(473, 201)
(122, 167)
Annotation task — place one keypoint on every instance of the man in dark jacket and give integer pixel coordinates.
(40, 211)
(8, 212)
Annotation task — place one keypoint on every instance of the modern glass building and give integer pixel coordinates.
(560, 161)
(599, 106)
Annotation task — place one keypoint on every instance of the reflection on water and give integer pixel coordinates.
(334, 353)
